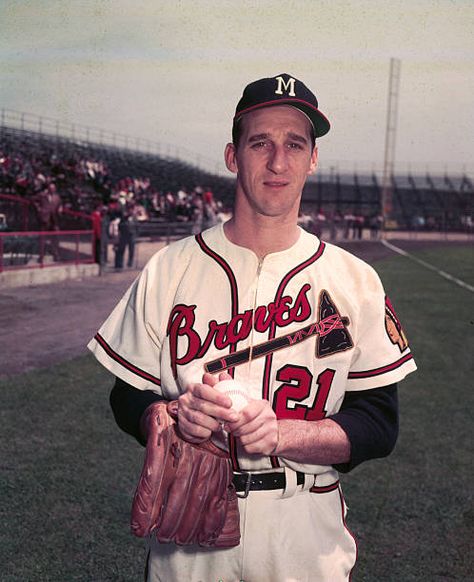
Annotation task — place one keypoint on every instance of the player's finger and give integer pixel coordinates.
(209, 379)
(195, 423)
(212, 380)
(208, 402)
(193, 432)
(205, 392)
(224, 376)
(218, 412)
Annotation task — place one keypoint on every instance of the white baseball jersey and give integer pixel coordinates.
(299, 328)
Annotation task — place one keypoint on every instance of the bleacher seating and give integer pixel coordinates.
(165, 174)
(441, 202)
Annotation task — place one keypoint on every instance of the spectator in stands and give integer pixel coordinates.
(316, 224)
(430, 223)
(48, 207)
(333, 222)
(418, 222)
(170, 206)
(209, 208)
(182, 195)
(359, 222)
(348, 224)
(156, 200)
(467, 223)
(305, 221)
(375, 224)
(97, 230)
(100, 226)
(319, 222)
(140, 212)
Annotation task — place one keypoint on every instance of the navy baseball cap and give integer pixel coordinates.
(282, 90)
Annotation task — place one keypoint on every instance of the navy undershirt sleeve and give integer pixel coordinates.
(368, 417)
(370, 420)
(128, 404)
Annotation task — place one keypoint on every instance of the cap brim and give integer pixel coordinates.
(319, 120)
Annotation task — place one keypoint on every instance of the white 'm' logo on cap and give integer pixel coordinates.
(288, 86)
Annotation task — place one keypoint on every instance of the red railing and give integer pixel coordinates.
(23, 214)
(39, 249)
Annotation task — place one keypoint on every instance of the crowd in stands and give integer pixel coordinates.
(83, 183)
(56, 184)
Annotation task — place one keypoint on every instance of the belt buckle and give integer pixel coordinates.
(247, 487)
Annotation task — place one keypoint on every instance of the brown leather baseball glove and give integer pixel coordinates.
(185, 493)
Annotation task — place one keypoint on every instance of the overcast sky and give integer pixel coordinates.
(172, 72)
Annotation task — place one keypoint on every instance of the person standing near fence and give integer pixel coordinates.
(97, 232)
(48, 206)
(127, 234)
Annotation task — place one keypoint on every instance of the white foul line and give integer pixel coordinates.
(428, 266)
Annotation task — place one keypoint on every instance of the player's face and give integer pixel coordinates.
(272, 161)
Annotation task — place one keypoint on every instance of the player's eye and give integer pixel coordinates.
(294, 145)
(259, 145)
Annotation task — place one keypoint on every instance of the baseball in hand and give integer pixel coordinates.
(235, 391)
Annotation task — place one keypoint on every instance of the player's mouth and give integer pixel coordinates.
(275, 184)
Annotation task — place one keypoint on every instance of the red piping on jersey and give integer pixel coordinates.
(382, 370)
(278, 295)
(324, 488)
(235, 310)
(281, 288)
(341, 497)
(123, 362)
(230, 275)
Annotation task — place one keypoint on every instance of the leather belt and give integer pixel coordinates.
(245, 482)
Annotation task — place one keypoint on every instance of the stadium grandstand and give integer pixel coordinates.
(76, 184)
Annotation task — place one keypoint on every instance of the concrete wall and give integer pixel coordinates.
(29, 277)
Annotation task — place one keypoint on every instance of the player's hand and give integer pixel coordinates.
(257, 428)
(201, 409)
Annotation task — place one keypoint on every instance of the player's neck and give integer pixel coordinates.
(262, 235)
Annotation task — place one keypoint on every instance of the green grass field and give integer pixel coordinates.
(413, 512)
(68, 473)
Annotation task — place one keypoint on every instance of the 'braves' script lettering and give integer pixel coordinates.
(222, 335)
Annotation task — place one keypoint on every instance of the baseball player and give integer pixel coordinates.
(305, 326)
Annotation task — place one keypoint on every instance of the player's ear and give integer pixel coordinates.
(314, 161)
(230, 157)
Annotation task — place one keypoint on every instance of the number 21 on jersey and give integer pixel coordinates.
(296, 387)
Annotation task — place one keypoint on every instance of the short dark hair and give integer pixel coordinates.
(237, 133)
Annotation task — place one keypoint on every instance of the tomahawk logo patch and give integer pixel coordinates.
(393, 327)
(337, 337)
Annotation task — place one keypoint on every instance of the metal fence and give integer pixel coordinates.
(39, 249)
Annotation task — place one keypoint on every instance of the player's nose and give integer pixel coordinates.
(277, 160)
